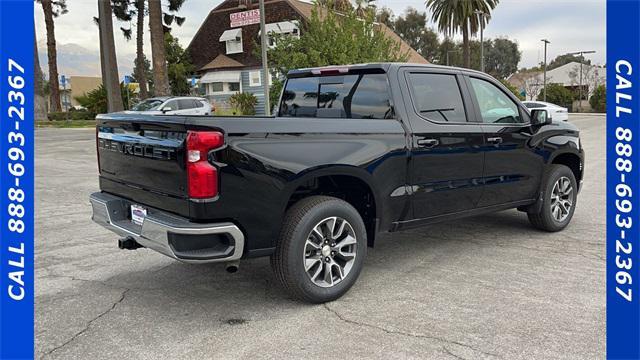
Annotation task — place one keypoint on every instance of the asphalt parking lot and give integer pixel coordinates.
(485, 287)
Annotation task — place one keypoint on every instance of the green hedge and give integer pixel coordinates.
(72, 115)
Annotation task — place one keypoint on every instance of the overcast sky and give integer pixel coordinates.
(570, 25)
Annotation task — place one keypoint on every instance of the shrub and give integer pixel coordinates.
(72, 115)
(244, 102)
(557, 94)
(598, 100)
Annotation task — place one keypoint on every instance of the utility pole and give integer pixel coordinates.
(581, 53)
(265, 67)
(482, 16)
(544, 81)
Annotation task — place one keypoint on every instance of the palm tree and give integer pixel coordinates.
(160, 73)
(460, 15)
(53, 9)
(109, 62)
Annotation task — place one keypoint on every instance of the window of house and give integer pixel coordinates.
(255, 78)
(234, 86)
(233, 40)
(437, 97)
(216, 87)
(276, 30)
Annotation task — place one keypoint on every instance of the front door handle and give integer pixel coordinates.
(428, 143)
(495, 140)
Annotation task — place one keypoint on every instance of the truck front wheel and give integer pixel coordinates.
(559, 198)
(321, 249)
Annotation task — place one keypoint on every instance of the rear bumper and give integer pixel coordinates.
(169, 234)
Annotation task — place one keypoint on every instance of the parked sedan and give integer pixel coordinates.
(557, 113)
(173, 105)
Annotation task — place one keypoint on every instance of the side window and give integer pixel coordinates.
(437, 97)
(185, 104)
(495, 106)
(363, 96)
(173, 104)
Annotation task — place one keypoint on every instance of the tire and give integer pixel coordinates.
(552, 216)
(300, 245)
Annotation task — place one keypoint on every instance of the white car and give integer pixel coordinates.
(557, 113)
(173, 105)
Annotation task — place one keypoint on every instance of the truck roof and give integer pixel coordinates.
(383, 66)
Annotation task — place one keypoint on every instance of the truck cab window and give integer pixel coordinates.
(363, 96)
(437, 97)
(495, 106)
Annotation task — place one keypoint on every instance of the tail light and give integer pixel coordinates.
(202, 177)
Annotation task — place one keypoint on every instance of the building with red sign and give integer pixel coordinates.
(224, 48)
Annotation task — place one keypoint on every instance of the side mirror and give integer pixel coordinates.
(540, 117)
(166, 108)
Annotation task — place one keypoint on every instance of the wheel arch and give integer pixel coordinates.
(349, 183)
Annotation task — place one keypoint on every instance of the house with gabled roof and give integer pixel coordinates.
(224, 49)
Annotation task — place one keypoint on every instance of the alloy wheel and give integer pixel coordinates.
(330, 251)
(561, 199)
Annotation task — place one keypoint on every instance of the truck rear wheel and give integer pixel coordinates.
(321, 249)
(559, 196)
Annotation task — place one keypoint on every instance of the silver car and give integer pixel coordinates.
(173, 105)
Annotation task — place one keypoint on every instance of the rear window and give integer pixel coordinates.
(361, 96)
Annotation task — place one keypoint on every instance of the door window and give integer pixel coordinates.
(171, 105)
(186, 104)
(495, 106)
(437, 97)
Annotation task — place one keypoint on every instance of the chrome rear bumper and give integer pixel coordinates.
(167, 233)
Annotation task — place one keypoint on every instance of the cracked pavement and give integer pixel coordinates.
(489, 287)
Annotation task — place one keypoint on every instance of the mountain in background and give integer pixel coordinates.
(75, 60)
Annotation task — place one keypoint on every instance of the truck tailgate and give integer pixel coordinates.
(143, 152)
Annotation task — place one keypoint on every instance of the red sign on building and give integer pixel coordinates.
(245, 18)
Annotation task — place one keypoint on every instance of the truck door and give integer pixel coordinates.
(512, 169)
(446, 143)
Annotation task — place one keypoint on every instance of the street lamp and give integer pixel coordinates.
(265, 68)
(581, 53)
(544, 81)
(482, 16)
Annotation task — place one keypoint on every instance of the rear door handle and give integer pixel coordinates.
(495, 140)
(428, 143)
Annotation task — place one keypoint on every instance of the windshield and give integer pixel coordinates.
(150, 104)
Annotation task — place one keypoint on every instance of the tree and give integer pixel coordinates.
(533, 85)
(559, 95)
(245, 103)
(385, 16)
(331, 38)
(512, 88)
(598, 100)
(565, 59)
(52, 9)
(140, 72)
(179, 66)
(160, 73)
(148, 73)
(501, 57)
(412, 28)
(591, 79)
(453, 16)
(109, 62)
(96, 100)
(39, 101)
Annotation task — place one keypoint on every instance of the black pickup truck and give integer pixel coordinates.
(353, 151)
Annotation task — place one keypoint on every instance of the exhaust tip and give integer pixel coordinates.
(128, 243)
(232, 267)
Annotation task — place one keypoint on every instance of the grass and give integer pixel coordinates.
(66, 124)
